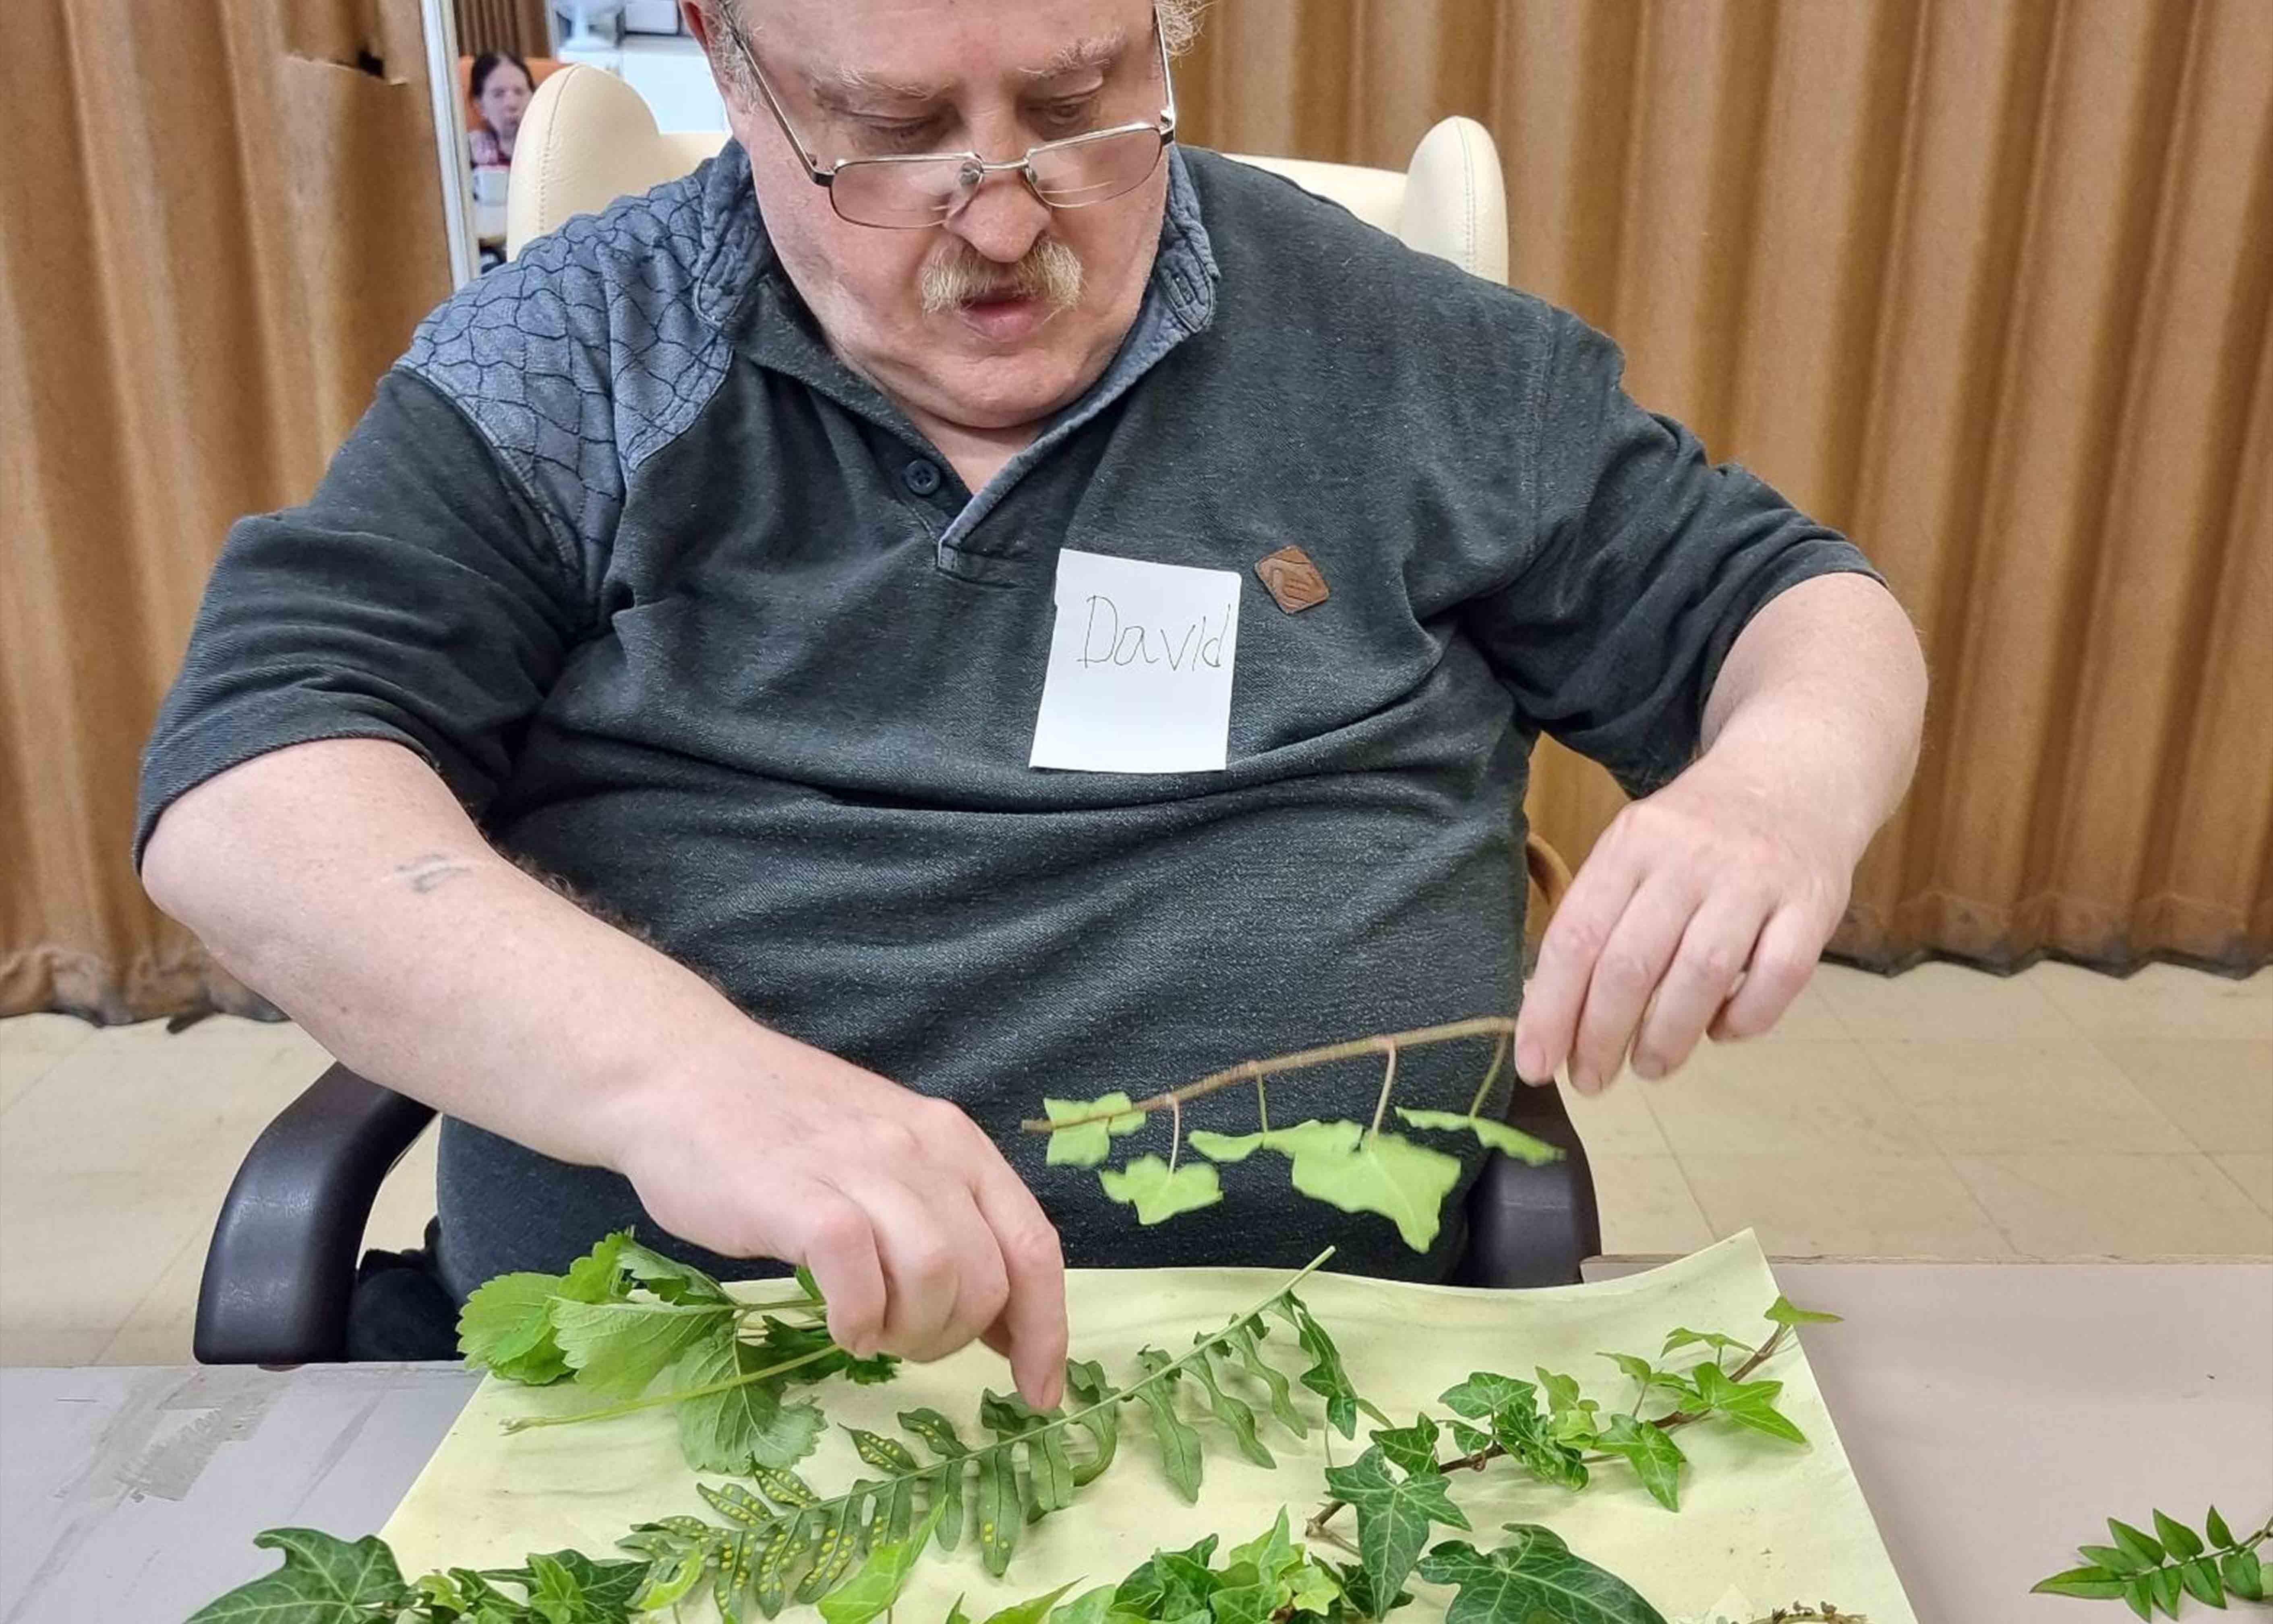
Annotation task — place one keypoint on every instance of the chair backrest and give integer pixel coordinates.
(588, 139)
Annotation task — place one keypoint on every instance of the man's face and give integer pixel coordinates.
(873, 77)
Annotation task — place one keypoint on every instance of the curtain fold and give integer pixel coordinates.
(515, 26)
(1987, 283)
(218, 225)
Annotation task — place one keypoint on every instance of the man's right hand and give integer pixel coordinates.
(919, 1234)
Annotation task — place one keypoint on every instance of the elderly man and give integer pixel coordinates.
(734, 560)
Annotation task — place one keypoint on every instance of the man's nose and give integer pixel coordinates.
(1003, 219)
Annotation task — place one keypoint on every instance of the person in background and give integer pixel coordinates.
(501, 88)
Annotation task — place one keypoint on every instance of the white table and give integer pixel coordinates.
(1995, 1414)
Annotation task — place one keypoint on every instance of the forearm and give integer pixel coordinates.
(344, 883)
(1820, 702)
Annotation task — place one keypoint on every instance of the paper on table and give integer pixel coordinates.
(1759, 1516)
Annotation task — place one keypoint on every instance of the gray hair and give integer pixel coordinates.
(1180, 26)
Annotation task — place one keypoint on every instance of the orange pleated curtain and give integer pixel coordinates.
(1985, 282)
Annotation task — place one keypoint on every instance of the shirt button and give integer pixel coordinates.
(922, 478)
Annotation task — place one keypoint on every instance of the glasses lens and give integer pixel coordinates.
(1095, 168)
(869, 193)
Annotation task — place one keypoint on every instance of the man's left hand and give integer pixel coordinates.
(1702, 910)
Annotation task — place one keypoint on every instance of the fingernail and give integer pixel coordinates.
(1530, 1064)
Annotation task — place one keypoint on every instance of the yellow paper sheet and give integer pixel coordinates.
(1760, 1517)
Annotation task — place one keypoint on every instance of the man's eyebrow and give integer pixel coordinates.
(1099, 50)
(834, 87)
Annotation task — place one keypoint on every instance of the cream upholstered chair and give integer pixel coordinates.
(588, 139)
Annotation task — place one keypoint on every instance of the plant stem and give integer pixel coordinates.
(1385, 1043)
(1388, 1081)
(1491, 1074)
(677, 1395)
(879, 1488)
(1175, 1134)
(1476, 1462)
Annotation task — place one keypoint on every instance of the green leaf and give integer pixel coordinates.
(744, 1427)
(2140, 1595)
(1237, 1414)
(1535, 1578)
(1091, 1142)
(1640, 1369)
(2114, 1558)
(1085, 1381)
(324, 1580)
(1783, 1312)
(1049, 1466)
(1169, 1584)
(996, 1506)
(2137, 1543)
(619, 1349)
(1179, 1445)
(1271, 1552)
(2244, 1575)
(1090, 1607)
(784, 1344)
(1032, 1611)
(1562, 1391)
(1493, 1135)
(1401, 1181)
(669, 1279)
(1327, 1377)
(2092, 1583)
(1244, 1338)
(2200, 1577)
(880, 1580)
(1394, 1516)
(2220, 1535)
(939, 1436)
(1751, 1403)
(1223, 1147)
(1656, 1459)
(1409, 1448)
(506, 1324)
(1157, 1193)
(2179, 1540)
(2163, 1585)
(1681, 1336)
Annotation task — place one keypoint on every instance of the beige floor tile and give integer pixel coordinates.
(30, 1046)
(52, 1347)
(1618, 1121)
(2218, 1090)
(2009, 1099)
(1811, 1018)
(1943, 1001)
(2098, 1206)
(160, 1329)
(1784, 1098)
(78, 1251)
(2254, 1174)
(2159, 1001)
(1833, 1205)
(1646, 1207)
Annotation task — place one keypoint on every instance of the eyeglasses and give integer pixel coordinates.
(926, 189)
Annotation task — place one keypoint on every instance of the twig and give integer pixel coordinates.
(1385, 1043)
(1480, 1459)
(1491, 1074)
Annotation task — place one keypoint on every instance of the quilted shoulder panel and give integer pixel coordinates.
(586, 354)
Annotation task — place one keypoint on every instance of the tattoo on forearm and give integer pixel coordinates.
(434, 868)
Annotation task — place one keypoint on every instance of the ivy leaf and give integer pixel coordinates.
(1090, 1607)
(1681, 1336)
(1409, 1448)
(1493, 1135)
(881, 1579)
(2179, 1540)
(1535, 1577)
(1164, 1586)
(324, 1580)
(744, 1427)
(1656, 1459)
(1273, 1551)
(1032, 1611)
(506, 1324)
(1636, 1367)
(1562, 1391)
(1159, 1194)
(1223, 1147)
(1784, 1312)
(1091, 1142)
(2090, 1582)
(618, 1349)
(1393, 1517)
(1753, 1403)
(1401, 1181)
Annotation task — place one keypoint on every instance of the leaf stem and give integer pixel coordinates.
(1491, 1074)
(1480, 1459)
(676, 1396)
(1388, 1081)
(1478, 1026)
(1175, 1134)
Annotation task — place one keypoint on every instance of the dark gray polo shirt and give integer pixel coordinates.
(691, 616)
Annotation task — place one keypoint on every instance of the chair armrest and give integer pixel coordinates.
(1533, 1226)
(282, 1265)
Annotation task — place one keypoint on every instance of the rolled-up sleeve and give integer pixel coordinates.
(417, 598)
(1646, 560)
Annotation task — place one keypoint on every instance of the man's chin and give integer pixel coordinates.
(1004, 391)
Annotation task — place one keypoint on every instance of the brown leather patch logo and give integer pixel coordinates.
(1295, 581)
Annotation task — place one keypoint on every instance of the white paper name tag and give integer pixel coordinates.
(1141, 659)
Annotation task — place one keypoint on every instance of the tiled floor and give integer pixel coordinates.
(1943, 1114)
